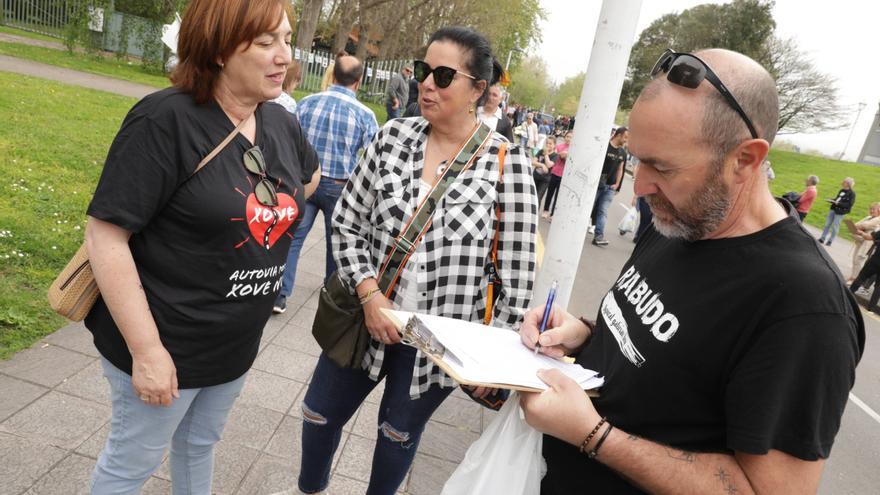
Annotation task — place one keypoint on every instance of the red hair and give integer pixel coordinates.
(211, 31)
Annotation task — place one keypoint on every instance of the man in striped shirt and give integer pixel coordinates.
(338, 126)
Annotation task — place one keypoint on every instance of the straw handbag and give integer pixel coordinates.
(74, 291)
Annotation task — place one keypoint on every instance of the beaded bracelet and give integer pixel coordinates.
(583, 447)
(369, 296)
(593, 453)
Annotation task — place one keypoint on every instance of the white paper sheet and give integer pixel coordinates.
(494, 355)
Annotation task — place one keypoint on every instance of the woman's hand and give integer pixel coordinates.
(563, 335)
(379, 326)
(154, 377)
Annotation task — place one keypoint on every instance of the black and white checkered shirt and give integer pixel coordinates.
(450, 277)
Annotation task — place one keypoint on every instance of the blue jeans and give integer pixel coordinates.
(140, 434)
(324, 199)
(832, 223)
(393, 113)
(604, 196)
(333, 397)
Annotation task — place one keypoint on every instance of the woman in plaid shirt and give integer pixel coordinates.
(447, 273)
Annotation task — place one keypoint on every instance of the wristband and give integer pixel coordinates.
(593, 453)
(583, 447)
(368, 296)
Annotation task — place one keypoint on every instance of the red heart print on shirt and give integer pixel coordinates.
(262, 222)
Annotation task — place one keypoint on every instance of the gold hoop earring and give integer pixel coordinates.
(471, 110)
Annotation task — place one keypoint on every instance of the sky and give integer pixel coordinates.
(839, 36)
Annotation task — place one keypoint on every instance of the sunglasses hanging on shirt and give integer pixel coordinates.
(263, 190)
(443, 76)
(688, 71)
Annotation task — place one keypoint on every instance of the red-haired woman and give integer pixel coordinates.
(188, 264)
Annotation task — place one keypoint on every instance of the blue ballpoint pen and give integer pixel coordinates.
(550, 297)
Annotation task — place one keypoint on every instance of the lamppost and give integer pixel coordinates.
(514, 49)
(852, 128)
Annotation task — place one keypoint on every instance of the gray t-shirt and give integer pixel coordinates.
(397, 88)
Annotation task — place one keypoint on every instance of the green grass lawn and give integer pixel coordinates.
(792, 170)
(94, 64)
(53, 144)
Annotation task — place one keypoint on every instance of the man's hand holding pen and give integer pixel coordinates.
(564, 333)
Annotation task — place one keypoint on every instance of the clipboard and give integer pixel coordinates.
(851, 227)
(460, 364)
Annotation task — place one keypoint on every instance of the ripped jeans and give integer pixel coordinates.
(333, 397)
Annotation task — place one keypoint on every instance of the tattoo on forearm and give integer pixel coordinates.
(681, 455)
(632, 437)
(726, 481)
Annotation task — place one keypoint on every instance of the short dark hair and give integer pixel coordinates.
(617, 132)
(346, 74)
(212, 30)
(480, 63)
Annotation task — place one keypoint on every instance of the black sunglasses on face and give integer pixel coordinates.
(263, 190)
(443, 75)
(686, 70)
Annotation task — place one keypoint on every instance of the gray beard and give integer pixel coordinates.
(702, 214)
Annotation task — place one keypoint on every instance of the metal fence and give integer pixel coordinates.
(377, 73)
(48, 17)
(115, 32)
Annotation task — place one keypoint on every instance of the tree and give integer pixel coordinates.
(308, 23)
(568, 94)
(401, 27)
(742, 25)
(807, 96)
(529, 82)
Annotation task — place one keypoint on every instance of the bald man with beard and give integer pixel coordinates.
(729, 342)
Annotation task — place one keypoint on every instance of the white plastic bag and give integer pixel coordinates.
(628, 223)
(505, 460)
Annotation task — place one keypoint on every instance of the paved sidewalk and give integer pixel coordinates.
(24, 40)
(76, 78)
(55, 414)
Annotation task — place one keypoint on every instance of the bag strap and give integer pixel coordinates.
(418, 225)
(493, 257)
(220, 146)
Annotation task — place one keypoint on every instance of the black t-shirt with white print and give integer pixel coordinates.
(740, 344)
(208, 254)
(614, 159)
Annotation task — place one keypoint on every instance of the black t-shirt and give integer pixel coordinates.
(209, 260)
(741, 344)
(614, 158)
(540, 157)
(845, 198)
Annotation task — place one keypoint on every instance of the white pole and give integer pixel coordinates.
(600, 95)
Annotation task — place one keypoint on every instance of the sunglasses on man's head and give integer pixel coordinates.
(443, 75)
(263, 190)
(686, 70)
